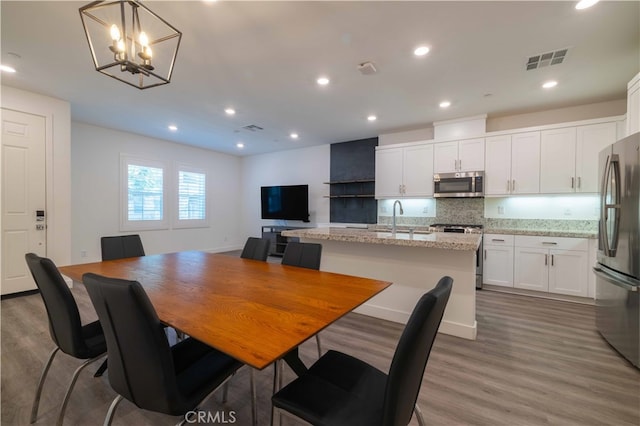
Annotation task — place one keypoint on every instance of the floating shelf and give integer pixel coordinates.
(349, 181)
(350, 196)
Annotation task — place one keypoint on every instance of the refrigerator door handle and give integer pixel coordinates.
(614, 280)
(613, 165)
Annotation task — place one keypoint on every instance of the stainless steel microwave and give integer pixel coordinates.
(459, 184)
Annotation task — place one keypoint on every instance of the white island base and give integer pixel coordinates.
(413, 271)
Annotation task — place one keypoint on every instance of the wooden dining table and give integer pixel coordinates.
(257, 312)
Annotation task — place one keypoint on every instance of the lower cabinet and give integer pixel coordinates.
(556, 265)
(497, 266)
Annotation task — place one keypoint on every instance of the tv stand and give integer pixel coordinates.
(278, 242)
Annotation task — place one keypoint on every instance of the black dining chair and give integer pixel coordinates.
(340, 390)
(86, 342)
(256, 249)
(121, 247)
(143, 368)
(304, 255)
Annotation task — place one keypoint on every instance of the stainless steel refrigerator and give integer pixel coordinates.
(618, 267)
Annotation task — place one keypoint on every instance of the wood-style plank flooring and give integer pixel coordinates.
(535, 362)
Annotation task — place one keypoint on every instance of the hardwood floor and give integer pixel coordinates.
(535, 362)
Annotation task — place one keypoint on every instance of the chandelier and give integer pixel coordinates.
(130, 43)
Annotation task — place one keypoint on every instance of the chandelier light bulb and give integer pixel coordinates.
(144, 40)
(115, 32)
(121, 45)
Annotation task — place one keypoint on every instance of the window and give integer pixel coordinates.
(192, 199)
(143, 197)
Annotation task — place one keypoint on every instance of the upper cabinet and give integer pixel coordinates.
(405, 171)
(459, 156)
(513, 164)
(590, 140)
(569, 157)
(557, 160)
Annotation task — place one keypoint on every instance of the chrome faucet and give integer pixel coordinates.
(393, 228)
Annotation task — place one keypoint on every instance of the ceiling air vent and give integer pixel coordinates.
(546, 59)
(252, 128)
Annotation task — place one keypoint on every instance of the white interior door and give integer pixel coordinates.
(23, 197)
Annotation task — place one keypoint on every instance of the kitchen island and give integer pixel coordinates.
(414, 262)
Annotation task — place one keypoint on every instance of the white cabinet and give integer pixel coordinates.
(459, 156)
(590, 140)
(569, 157)
(557, 265)
(405, 171)
(513, 164)
(633, 105)
(557, 160)
(497, 266)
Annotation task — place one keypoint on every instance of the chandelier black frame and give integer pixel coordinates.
(130, 43)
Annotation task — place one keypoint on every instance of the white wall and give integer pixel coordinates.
(95, 201)
(57, 151)
(302, 166)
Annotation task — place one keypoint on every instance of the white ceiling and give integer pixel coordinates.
(263, 58)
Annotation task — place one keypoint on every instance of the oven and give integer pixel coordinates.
(465, 229)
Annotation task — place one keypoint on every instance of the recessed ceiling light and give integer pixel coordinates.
(7, 68)
(322, 81)
(240, 145)
(173, 127)
(550, 84)
(294, 136)
(421, 51)
(372, 118)
(230, 111)
(445, 104)
(583, 4)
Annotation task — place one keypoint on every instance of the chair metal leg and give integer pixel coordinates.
(112, 410)
(319, 347)
(67, 395)
(419, 417)
(36, 400)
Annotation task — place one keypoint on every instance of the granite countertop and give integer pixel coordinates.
(543, 232)
(419, 238)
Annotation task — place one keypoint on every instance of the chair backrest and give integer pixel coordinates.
(304, 255)
(256, 249)
(140, 360)
(65, 325)
(121, 246)
(412, 352)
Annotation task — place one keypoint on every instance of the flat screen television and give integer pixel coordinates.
(289, 202)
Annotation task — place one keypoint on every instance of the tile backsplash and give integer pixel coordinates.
(472, 211)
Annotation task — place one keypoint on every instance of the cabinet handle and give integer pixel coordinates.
(400, 189)
(485, 254)
(579, 182)
(573, 181)
(549, 243)
(513, 185)
(552, 260)
(508, 185)
(546, 258)
(459, 164)
(498, 240)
